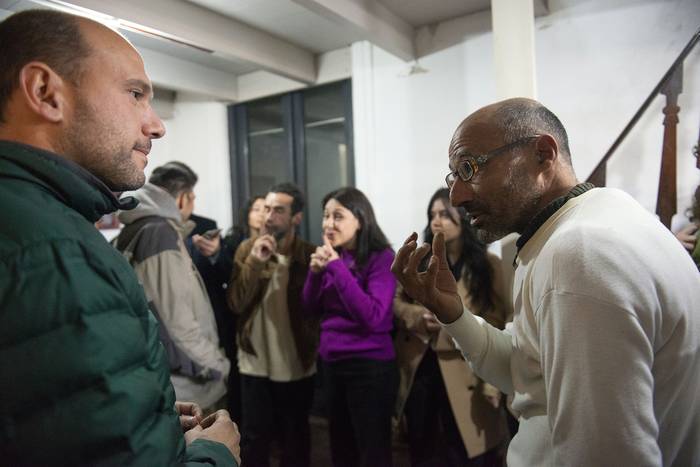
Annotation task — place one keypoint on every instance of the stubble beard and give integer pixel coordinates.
(278, 232)
(95, 145)
(522, 201)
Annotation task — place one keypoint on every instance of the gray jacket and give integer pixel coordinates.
(153, 242)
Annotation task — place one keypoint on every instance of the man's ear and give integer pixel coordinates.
(296, 218)
(44, 91)
(546, 149)
(179, 200)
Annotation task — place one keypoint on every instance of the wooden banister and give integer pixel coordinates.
(671, 86)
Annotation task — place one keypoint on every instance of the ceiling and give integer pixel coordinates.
(421, 12)
(302, 26)
(278, 38)
(286, 20)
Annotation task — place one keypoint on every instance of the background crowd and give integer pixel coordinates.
(325, 323)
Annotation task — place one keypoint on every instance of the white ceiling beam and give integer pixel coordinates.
(208, 30)
(181, 75)
(371, 20)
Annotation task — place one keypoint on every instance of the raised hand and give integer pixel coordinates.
(436, 288)
(331, 254)
(264, 247)
(688, 236)
(207, 246)
(322, 256)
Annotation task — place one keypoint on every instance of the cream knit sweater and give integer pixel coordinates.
(603, 355)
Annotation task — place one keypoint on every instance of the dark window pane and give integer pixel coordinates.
(267, 144)
(327, 158)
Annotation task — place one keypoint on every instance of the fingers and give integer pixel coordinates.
(197, 411)
(432, 272)
(330, 252)
(192, 434)
(431, 322)
(402, 255)
(189, 408)
(416, 257)
(188, 422)
(220, 415)
(324, 254)
(264, 246)
(439, 251)
(327, 242)
(429, 317)
(269, 241)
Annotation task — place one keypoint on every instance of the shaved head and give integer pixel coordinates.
(47, 36)
(516, 118)
(532, 167)
(75, 87)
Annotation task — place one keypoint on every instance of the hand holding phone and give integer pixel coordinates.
(210, 234)
(209, 243)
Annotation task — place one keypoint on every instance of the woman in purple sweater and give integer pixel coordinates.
(351, 285)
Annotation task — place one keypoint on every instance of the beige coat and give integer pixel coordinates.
(481, 425)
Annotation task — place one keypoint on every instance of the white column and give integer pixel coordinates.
(514, 60)
(514, 48)
(363, 110)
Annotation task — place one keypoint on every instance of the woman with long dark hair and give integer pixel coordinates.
(452, 417)
(250, 220)
(351, 285)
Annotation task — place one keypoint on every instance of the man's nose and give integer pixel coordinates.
(153, 126)
(460, 193)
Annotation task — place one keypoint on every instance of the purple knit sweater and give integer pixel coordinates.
(356, 306)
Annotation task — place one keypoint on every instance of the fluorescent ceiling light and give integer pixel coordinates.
(66, 7)
(117, 23)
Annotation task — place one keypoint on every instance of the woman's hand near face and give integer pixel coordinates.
(318, 262)
(329, 251)
(322, 256)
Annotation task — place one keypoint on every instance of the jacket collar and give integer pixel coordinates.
(153, 201)
(547, 212)
(68, 181)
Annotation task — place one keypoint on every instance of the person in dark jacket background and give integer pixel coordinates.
(83, 377)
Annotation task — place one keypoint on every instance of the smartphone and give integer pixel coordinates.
(210, 234)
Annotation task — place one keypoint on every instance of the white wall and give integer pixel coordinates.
(198, 136)
(597, 60)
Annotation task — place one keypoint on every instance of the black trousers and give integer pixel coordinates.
(433, 436)
(275, 411)
(360, 397)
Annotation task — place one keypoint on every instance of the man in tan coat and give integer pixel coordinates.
(277, 341)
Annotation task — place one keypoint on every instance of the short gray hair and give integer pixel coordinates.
(519, 119)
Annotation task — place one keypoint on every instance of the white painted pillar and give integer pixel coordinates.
(514, 60)
(514, 48)
(363, 110)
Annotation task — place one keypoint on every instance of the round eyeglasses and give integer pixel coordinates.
(469, 165)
